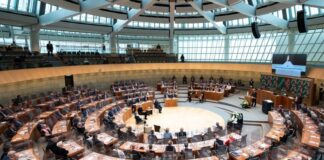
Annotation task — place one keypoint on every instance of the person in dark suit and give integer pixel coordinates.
(6, 149)
(135, 155)
(254, 97)
(182, 133)
(138, 119)
(49, 48)
(133, 108)
(52, 145)
(251, 83)
(142, 112)
(170, 147)
(189, 96)
(157, 105)
(192, 79)
(184, 80)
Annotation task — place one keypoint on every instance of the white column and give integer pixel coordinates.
(226, 47)
(112, 42)
(291, 41)
(34, 39)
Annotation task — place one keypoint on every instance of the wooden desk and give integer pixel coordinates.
(160, 148)
(318, 111)
(61, 127)
(286, 101)
(71, 146)
(27, 132)
(296, 155)
(278, 127)
(207, 158)
(106, 139)
(24, 116)
(211, 95)
(27, 154)
(93, 121)
(171, 102)
(309, 130)
(46, 114)
(147, 105)
(253, 150)
(97, 156)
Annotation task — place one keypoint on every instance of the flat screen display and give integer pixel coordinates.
(289, 64)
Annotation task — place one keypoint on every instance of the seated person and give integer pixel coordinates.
(170, 147)
(181, 133)
(152, 137)
(6, 149)
(96, 142)
(84, 113)
(167, 135)
(52, 144)
(142, 112)
(209, 134)
(75, 120)
(116, 152)
(138, 119)
(150, 153)
(135, 155)
(187, 152)
(133, 108)
(80, 128)
(17, 124)
(157, 105)
(111, 115)
(218, 127)
(130, 135)
(45, 130)
(11, 131)
(229, 140)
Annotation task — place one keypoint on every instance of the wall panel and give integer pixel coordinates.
(35, 81)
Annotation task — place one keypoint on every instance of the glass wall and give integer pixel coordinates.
(243, 47)
(72, 41)
(19, 5)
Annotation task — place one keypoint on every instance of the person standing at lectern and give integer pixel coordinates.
(254, 95)
(251, 83)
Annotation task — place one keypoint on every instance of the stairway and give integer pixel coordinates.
(182, 94)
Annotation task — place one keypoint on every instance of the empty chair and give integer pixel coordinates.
(242, 141)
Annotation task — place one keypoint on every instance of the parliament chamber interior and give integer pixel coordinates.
(162, 79)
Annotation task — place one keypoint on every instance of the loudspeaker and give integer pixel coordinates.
(69, 81)
(301, 21)
(255, 30)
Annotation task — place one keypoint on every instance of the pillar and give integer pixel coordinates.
(34, 39)
(291, 41)
(226, 47)
(112, 42)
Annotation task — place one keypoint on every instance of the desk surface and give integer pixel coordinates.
(310, 135)
(278, 127)
(73, 147)
(252, 150)
(97, 156)
(27, 154)
(106, 138)
(25, 133)
(61, 127)
(160, 148)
